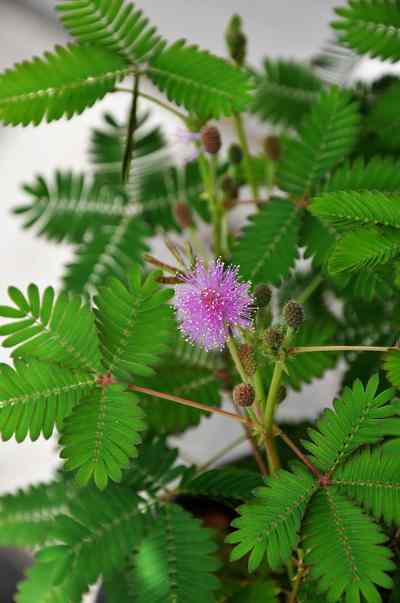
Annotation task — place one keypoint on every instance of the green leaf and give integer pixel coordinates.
(392, 367)
(134, 324)
(383, 118)
(199, 81)
(57, 329)
(327, 134)
(237, 484)
(303, 368)
(377, 174)
(318, 238)
(349, 209)
(267, 248)
(364, 248)
(36, 397)
(371, 27)
(372, 478)
(27, 517)
(114, 24)
(344, 549)
(109, 252)
(359, 417)
(95, 538)
(70, 208)
(101, 435)
(285, 92)
(60, 84)
(269, 525)
(155, 467)
(176, 561)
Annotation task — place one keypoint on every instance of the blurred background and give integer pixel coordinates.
(28, 27)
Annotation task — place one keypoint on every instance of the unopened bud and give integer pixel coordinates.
(262, 295)
(235, 154)
(247, 359)
(211, 139)
(273, 338)
(243, 394)
(293, 313)
(272, 147)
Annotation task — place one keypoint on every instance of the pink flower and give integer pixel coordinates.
(210, 303)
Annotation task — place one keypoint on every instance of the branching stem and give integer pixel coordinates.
(289, 442)
(192, 403)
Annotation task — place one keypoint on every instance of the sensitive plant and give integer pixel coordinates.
(135, 348)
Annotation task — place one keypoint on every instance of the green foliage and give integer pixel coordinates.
(36, 397)
(344, 549)
(359, 417)
(371, 27)
(71, 207)
(101, 435)
(270, 523)
(116, 25)
(267, 248)
(175, 561)
(61, 84)
(134, 324)
(97, 535)
(392, 367)
(237, 484)
(199, 81)
(354, 209)
(109, 252)
(327, 134)
(285, 92)
(155, 467)
(27, 517)
(377, 174)
(383, 118)
(364, 248)
(56, 329)
(371, 478)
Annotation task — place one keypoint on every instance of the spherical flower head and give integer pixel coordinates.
(210, 302)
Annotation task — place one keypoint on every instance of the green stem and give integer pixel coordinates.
(156, 101)
(341, 348)
(246, 155)
(207, 172)
(309, 290)
(236, 359)
(272, 398)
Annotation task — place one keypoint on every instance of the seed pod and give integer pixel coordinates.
(282, 393)
(273, 338)
(183, 215)
(229, 187)
(293, 314)
(262, 295)
(272, 147)
(211, 139)
(235, 154)
(247, 359)
(243, 394)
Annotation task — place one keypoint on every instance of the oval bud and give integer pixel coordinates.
(211, 139)
(243, 394)
(293, 313)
